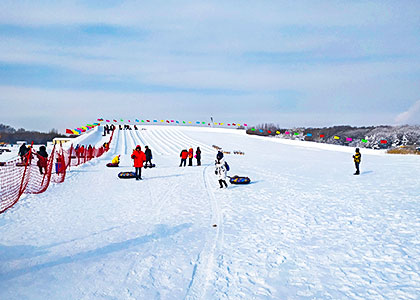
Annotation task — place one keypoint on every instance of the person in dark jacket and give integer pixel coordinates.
(23, 150)
(149, 157)
(190, 156)
(42, 159)
(357, 158)
(183, 155)
(198, 156)
(139, 159)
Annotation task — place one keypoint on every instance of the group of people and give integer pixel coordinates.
(25, 153)
(127, 127)
(81, 151)
(190, 154)
(108, 129)
(144, 159)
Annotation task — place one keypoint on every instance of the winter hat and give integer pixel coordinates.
(138, 147)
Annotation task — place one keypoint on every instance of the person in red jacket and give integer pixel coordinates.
(190, 156)
(183, 155)
(139, 159)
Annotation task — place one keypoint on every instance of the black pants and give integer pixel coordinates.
(138, 173)
(221, 182)
(357, 168)
(149, 162)
(198, 161)
(183, 160)
(190, 161)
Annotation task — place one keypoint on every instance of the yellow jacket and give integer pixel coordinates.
(116, 160)
(357, 157)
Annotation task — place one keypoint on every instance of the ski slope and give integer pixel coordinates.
(305, 228)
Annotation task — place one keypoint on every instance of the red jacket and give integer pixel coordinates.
(190, 153)
(139, 158)
(184, 154)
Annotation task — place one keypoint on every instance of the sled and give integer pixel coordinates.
(20, 164)
(239, 180)
(153, 165)
(111, 165)
(126, 175)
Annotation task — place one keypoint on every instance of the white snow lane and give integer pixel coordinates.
(305, 228)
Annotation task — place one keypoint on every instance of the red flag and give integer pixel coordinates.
(69, 131)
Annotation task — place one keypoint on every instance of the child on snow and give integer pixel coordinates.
(183, 155)
(116, 160)
(357, 158)
(42, 159)
(221, 170)
(190, 156)
(198, 156)
(149, 157)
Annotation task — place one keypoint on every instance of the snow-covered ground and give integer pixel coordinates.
(305, 228)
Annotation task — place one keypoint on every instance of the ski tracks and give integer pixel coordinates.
(204, 266)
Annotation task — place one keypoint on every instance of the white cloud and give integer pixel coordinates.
(411, 116)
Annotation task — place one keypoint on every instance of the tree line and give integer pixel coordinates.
(10, 135)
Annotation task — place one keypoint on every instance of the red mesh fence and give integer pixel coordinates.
(33, 173)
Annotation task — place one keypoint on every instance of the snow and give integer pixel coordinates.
(305, 228)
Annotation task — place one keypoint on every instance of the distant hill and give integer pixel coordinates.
(394, 135)
(10, 135)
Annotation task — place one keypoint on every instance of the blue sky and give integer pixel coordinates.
(293, 63)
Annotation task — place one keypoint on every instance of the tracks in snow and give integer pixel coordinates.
(170, 142)
(203, 268)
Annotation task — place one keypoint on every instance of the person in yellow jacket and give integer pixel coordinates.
(116, 160)
(357, 158)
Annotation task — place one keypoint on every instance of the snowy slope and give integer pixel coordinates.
(305, 228)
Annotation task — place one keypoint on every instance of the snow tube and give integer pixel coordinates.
(239, 180)
(111, 165)
(124, 175)
(153, 165)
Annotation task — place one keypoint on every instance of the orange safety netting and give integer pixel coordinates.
(33, 173)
